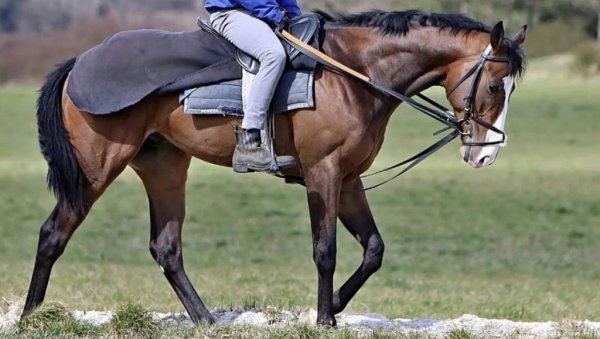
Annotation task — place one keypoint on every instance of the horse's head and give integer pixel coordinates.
(479, 88)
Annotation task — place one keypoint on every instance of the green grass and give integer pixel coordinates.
(518, 240)
(133, 319)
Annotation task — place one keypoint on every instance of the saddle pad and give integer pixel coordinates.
(131, 65)
(295, 91)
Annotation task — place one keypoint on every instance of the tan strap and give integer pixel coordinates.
(327, 58)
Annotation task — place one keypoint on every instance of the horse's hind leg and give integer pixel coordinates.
(163, 169)
(54, 235)
(56, 231)
(355, 214)
(81, 167)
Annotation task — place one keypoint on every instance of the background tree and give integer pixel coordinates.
(591, 10)
(9, 13)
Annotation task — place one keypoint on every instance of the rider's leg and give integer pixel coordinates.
(256, 38)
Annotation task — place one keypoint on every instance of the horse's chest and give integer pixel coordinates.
(363, 149)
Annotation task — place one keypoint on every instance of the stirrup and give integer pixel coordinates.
(270, 145)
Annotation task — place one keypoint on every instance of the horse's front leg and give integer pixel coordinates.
(355, 214)
(323, 189)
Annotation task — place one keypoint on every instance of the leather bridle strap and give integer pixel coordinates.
(442, 116)
(439, 113)
(477, 68)
(490, 127)
(412, 161)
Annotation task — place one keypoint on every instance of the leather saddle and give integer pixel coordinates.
(305, 27)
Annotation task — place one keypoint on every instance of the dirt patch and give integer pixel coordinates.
(435, 328)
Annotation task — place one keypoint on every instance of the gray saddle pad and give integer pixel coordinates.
(295, 91)
(131, 65)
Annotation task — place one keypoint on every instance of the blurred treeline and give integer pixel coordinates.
(36, 34)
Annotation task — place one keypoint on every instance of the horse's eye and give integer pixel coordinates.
(494, 88)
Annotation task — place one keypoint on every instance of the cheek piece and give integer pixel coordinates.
(469, 116)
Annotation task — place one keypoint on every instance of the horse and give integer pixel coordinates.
(333, 144)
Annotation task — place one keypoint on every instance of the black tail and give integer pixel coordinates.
(64, 173)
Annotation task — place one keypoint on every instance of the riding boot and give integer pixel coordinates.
(249, 155)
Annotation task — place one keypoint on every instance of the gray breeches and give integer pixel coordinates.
(256, 38)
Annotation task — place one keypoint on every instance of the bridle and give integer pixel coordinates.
(435, 110)
(469, 114)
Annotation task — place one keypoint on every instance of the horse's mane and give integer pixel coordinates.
(400, 23)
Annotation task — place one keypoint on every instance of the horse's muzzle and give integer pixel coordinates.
(479, 156)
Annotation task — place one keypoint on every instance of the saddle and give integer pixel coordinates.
(132, 65)
(305, 27)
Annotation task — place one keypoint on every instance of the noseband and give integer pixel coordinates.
(469, 115)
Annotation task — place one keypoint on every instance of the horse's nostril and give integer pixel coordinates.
(483, 161)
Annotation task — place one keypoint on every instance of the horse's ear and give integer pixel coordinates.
(519, 38)
(497, 35)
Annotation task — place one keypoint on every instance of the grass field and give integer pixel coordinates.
(518, 240)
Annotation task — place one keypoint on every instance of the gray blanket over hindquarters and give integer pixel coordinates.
(131, 65)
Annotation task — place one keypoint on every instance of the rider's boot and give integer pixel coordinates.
(249, 155)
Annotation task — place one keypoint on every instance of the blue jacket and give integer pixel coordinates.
(267, 10)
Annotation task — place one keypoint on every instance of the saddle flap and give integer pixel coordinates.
(247, 61)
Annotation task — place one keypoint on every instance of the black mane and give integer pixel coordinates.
(400, 23)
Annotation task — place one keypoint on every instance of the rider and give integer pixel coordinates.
(246, 24)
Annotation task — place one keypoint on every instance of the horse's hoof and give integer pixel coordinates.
(210, 320)
(207, 319)
(327, 321)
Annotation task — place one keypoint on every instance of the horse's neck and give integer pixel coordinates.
(409, 63)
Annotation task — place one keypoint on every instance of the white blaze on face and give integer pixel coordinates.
(489, 153)
(492, 136)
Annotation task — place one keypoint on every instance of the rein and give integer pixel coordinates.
(437, 111)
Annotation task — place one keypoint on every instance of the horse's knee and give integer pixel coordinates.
(166, 255)
(166, 251)
(374, 253)
(324, 256)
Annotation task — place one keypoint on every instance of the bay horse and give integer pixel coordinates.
(333, 144)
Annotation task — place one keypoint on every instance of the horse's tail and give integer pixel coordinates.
(64, 173)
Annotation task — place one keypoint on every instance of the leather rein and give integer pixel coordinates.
(430, 108)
